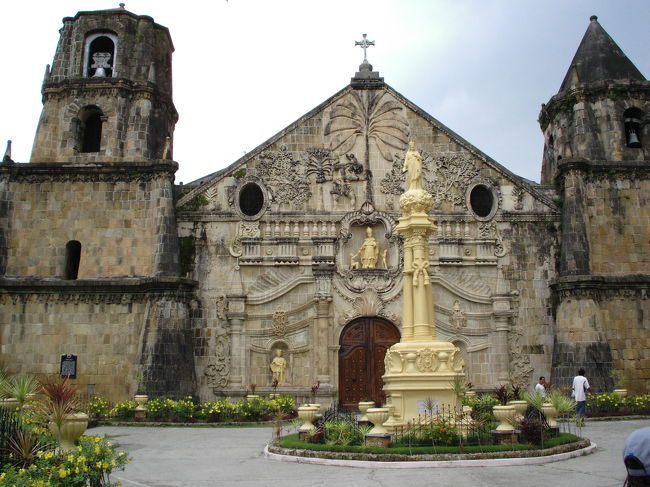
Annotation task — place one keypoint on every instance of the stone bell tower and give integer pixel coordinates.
(108, 94)
(596, 153)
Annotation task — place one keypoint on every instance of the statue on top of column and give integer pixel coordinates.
(413, 164)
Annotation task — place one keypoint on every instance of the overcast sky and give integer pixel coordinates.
(245, 69)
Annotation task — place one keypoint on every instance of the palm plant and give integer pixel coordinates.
(535, 399)
(564, 405)
(60, 398)
(20, 387)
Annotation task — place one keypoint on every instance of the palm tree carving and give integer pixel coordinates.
(369, 115)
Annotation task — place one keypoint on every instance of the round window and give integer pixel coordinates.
(251, 199)
(481, 200)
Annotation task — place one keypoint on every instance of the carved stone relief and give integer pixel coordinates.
(369, 303)
(445, 176)
(217, 370)
(457, 318)
(284, 176)
(490, 230)
(388, 264)
(279, 322)
(373, 115)
(518, 196)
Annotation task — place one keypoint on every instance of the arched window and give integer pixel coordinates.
(100, 53)
(72, 259)
(633, 118)
(91, 119)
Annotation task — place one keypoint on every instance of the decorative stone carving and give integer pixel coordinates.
(321, 163)
(249, 229)
(426, 360)
(221, 308)
(369, 253)
(415, 202)
(490, 230)
(518, 195)
(457, 318)
(413, 164)
(368, 304)
(357, 277)
(279, 322)
(283, 174)
(217, 371)
(374, 115)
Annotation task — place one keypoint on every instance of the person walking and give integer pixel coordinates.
(540, 387)
(579, 393)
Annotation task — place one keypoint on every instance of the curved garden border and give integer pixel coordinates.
(389, 460)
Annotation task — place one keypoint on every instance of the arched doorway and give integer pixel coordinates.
(364, 342)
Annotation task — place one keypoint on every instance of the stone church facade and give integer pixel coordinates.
(201, 287)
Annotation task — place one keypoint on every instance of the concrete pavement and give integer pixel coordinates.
(202, 457)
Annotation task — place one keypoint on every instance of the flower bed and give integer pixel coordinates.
(610, 404)
(187, 410)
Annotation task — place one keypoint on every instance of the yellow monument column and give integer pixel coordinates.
(420, 369)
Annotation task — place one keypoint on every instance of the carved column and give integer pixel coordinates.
(322, 300)
(407, 299)
(500, 358)
(236, 316)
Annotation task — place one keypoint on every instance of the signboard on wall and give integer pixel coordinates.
(69, 366)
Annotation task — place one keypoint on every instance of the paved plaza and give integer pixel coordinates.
(201, 457)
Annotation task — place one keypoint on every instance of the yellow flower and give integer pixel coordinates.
(97, 449)
(63, 473)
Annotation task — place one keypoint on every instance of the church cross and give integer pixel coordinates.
(364, 43)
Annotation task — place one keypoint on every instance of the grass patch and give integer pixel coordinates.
(292, 441)
(266, 424)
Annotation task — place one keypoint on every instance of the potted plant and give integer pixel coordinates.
(140, 394)
(21, 388)
(59, 405)
(618, 390)
(252, 395)
(364, 405)
(504, 412)
(517, 402)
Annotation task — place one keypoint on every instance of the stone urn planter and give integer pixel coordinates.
(506, 417)
(250, 397)
(621, 393)
(307, 414)
(470, 393)
(378, 416)
(12, 403)
(72, 428)
(141, 399)
(363, 407)
(551, 413)
(520, 408)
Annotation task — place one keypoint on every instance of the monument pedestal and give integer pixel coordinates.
(420, 370)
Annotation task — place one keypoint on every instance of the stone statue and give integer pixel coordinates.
(278, 367)
(354, 263)
(101, 63)
(413, 164)
(384, 259)
(458, 318)
(369, 252)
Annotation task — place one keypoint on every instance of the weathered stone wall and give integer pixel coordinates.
(125, 222)
(113, 334)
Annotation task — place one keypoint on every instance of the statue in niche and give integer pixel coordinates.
(369, 253)
(413, 164)
(354, 263)
(384, 259)
(458, 318)
(278, 367)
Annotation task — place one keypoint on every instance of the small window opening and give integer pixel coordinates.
(90, 129)
(251, 199)
(633, 118)
(101, 54)
(481, 200)
(72, 259)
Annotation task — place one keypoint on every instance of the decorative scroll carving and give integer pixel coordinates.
(371, 114)
(279, 322)
(282, 173)
(457, 362)
(321, 163)
(217, 371)
(249, 229)
(490, 230)
(368, 304)
(221, 308)
(446, 177)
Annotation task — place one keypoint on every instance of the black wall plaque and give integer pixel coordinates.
(69, 366)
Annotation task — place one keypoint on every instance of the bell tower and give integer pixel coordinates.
(108, 95)
(596, 153)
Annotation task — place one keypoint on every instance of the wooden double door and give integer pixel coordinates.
(364, 342)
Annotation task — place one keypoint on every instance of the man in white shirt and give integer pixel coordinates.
(540, 387)
(580, 388)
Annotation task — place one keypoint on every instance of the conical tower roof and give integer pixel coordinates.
(599, 58)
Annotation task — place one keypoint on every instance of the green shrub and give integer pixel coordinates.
(123, 409)
(160, 409)
(221, 410)
(481, 407)
(91, 464)
(284, 404)
(184, 410)
(639, 404)
(98, 407)
(253, 410)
